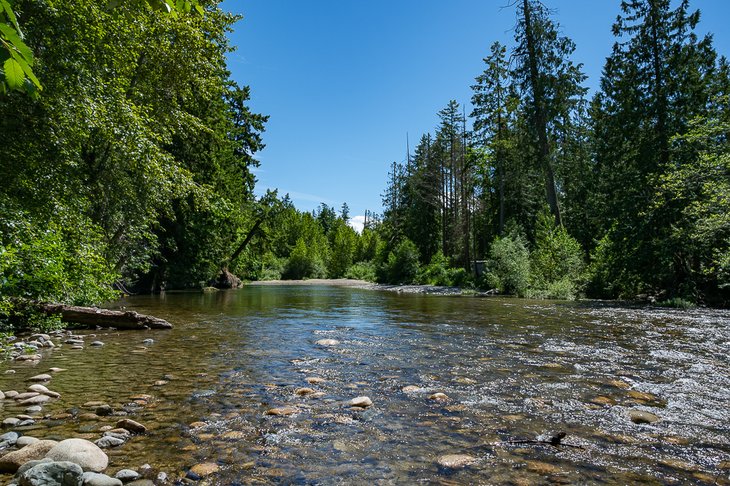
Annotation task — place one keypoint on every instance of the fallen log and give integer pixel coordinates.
(93, 316)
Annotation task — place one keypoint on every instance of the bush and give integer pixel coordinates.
(362, 271)
(402, 264)
(436, 272)
(304, 263)
(557, 261)
(561, 289)
(508, 265)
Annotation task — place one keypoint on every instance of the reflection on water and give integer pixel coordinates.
(511, 369)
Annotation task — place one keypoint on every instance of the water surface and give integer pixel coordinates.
(512, 370)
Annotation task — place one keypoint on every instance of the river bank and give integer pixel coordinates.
(364, 284)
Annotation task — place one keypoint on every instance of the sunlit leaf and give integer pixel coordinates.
(11, 16)
(26, 69)
(15, 41)
(13, 74)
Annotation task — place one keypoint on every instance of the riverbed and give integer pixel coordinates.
(485, 378)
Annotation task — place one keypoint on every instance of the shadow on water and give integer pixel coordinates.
(511, 370)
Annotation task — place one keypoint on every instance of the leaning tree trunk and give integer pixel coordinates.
(95, 317)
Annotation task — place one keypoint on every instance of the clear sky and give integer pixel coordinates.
(344, 81)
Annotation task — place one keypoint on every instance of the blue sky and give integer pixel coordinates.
(344, 80)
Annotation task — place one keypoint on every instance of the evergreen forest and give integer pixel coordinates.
(128, 154)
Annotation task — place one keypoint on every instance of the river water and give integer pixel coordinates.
(513, 370)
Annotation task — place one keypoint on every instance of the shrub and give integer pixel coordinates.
(436, 272)
(509, 265)
(402, 263)
(556, 262)
(304, 263)
(362, 271)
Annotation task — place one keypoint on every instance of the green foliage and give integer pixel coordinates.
(508, 267)
(556, 262)
(362, 271)
(439, 272)
(342, 248)
(401, 266)
(304, 262)
(677, 303)
(58, 261)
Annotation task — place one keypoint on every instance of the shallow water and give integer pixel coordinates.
(512, 370)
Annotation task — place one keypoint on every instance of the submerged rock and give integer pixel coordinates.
(304, 391)
(642, 417)
(132, 426)
(314, 380)
(41, 377)
(439, 397)
(456, 461)
(327, 342)
(282, 411)
(202, 470)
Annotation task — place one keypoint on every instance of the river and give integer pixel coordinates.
(512, 371)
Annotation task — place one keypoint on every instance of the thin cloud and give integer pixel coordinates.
(357, 223)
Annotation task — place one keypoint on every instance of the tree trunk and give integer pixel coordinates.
(543, 149)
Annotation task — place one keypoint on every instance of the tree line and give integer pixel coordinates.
(619, 195)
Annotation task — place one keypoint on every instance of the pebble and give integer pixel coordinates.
(543, 468)
(2, 396)
(109, 441)
(196, 425)
(282, 411)
(97, 479)
(126, 475)
(641, 417)
(361, 402)
(132, 426)
(9, 372)
(11, 394)
(57, 370)
(11, 422)
(327, 342)
(410, 389)
(26, 395)
(147, 342)
(104, 410)
(204, 469)
(646, 397)
(43, 390)
(304, 391)
(456, 461)
(42, 377)
(314, 380)
(25, 440)
(439, 397)
(35, 400)
(97, 344)
(28, 357)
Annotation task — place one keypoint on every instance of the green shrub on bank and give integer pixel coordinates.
(401, 265)
(438, 272)
(508, 267)
(304, 263)
(362, 271)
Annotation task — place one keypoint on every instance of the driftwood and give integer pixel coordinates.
(93, 316)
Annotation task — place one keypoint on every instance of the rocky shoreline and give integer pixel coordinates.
(73, 460)
(363, 284)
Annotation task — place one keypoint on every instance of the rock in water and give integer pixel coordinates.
(439, 397)
(42, 377)
(641, 417)
(52, 473)
(96, 479)
(327, 342)
(132, 426)
(456, 461)
(82, 452)
(362, 402)
(204, 469)
(282, 411)
(126, 475)
(109, 441)
(11, 461)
